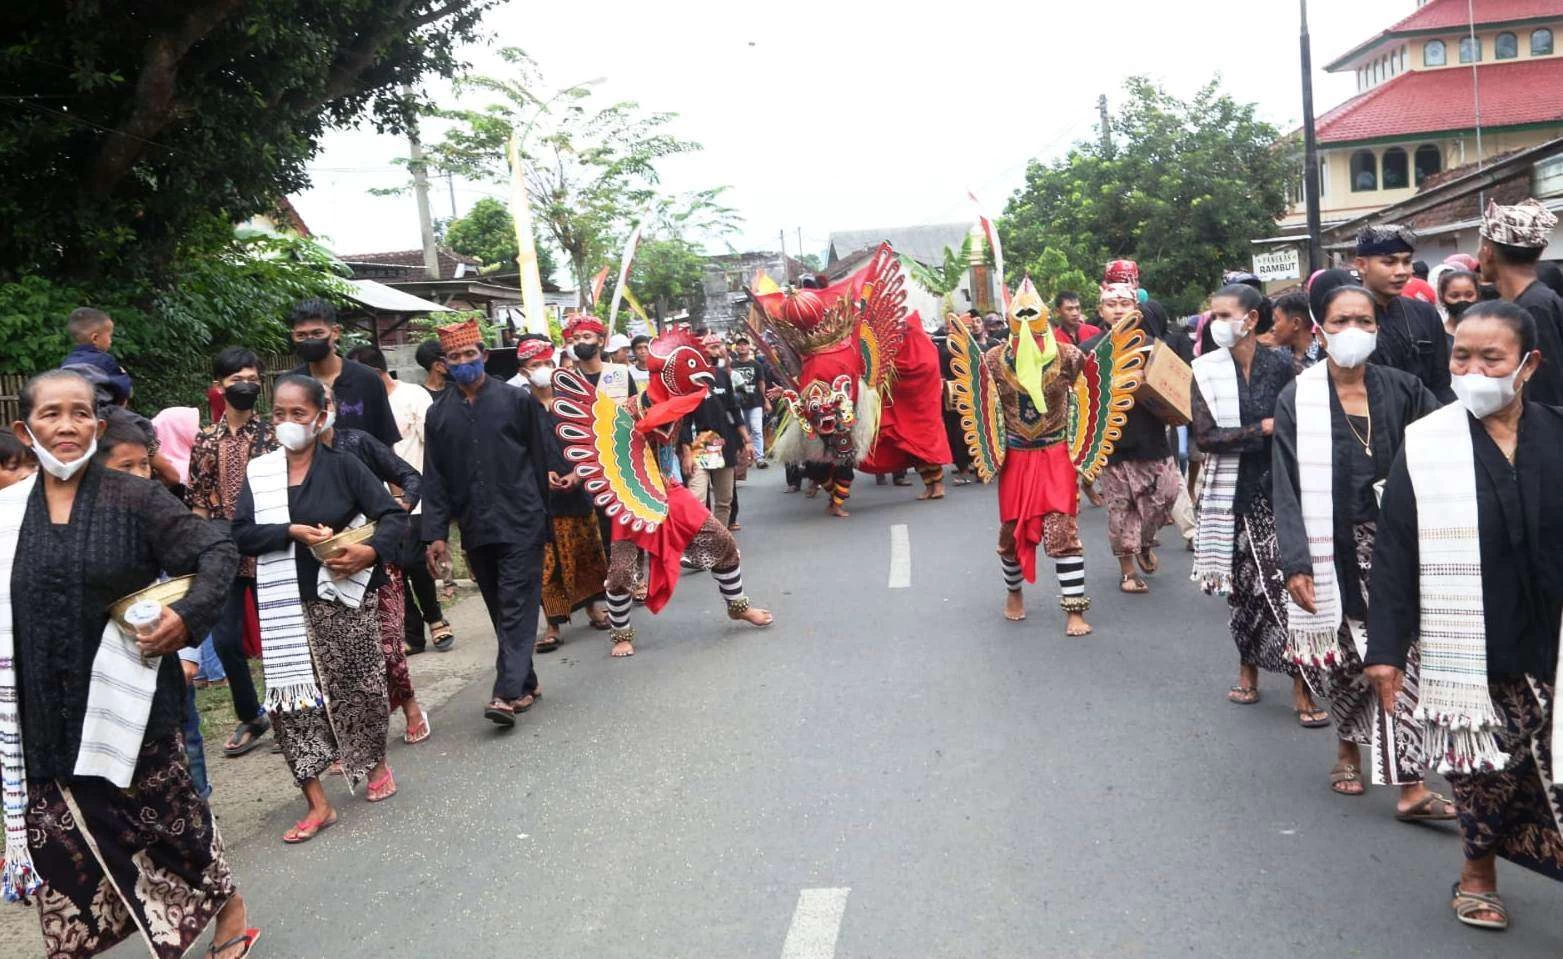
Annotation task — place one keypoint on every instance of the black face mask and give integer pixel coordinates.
(585, 351)
(242, 396)
(312, 351)
(1456, 309)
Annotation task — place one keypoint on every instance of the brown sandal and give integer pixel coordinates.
(1467, 905)
(1147, 562)
(1343, 774)
(1243, 695)
(1132, 583)
(1422, 810)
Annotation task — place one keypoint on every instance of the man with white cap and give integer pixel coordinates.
(1513, 238)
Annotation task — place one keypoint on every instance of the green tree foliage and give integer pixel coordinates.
(1052, 275)
(811, 262)
(1182, 189)
(942, 280)
(590, 172)
(668, 275)
(488, 233)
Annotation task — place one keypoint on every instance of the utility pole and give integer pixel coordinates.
(782, 233)
(1107, 128)
(450, 184)
(1310, 152)
(800, 242)
(420, 188)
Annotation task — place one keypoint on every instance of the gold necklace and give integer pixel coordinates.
(1367, 442)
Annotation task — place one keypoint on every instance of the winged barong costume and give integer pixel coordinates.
(1036, 411)
(868, 388)
(612, 446)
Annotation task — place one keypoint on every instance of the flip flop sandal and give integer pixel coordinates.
(1246, 695)
(257, 728)
(1322, 718)
(1423, 810)
(428, 730)
(546, 644)
(247, 938)
(379, 784)
(1467, 904)
(499, 712)
(302, 832)
(1344, 773)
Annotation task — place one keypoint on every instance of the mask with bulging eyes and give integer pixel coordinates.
(1027, 307)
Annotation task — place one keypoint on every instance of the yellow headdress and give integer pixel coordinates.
(1027, 309)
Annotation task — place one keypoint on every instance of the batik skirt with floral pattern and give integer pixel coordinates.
(117, 862)
(575, 565)
(1258, 597)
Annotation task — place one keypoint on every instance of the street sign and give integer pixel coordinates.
(1281, 264)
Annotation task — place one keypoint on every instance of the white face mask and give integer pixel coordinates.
(542, 377)
(1485, 395)
(330, 420)
(1351, 347)
(296, 436)
(1226, 333)
(58, 468)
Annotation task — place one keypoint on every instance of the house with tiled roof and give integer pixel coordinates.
(1425, 85)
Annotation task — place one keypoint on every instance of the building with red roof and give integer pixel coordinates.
(1425, 85)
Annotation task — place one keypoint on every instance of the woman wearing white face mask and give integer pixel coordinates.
(575, 564)
(320, 633)
(1234, 544)
(1466, 570)
(1338, 427)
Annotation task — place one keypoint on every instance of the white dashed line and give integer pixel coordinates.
(900, 557)
(817, 920)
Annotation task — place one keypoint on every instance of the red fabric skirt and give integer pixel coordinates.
(911, 425)
(1032, 484)
(666, 545)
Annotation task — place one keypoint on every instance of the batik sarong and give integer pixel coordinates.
(1140, 495)
(574, 567)
(350, 669)
(1509, 812)
(1258, 597)
(393, 629)
(1395, 743)
(117, 863)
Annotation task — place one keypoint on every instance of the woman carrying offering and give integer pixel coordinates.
(108, 834)
(1338, 427)
(1238, 384)
(320, 632)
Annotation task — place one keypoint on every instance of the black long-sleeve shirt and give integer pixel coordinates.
(1269, 373)
(382, 461)
(1520, 522)
(335, 491)
(123, 531)
(1411, 337)
(361, 401)
(485, 467)
(1546, 307)
(1396, 399)
(719, 412)
(1144, 433)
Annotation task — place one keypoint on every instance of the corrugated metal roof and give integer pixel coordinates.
(388, 299)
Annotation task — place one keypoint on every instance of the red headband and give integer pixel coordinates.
(531, 349)
(585, 323)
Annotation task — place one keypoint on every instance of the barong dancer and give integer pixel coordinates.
(1338, 427)
(1463, 570)
(610, 444)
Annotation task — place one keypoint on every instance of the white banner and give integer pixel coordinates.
(1280, 264)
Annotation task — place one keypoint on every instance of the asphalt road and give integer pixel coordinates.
(887, 772)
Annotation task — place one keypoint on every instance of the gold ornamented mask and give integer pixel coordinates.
(1028, 307)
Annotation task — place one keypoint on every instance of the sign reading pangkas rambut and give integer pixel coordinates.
(1280, 264)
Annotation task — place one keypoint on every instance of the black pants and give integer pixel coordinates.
(510, 577)
(794, 473)
(422, 604)
(228, 640)
(957, 438)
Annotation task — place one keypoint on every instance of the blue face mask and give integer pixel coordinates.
(466, 373)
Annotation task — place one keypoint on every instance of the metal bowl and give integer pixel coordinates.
(348, 537)
(161, 593)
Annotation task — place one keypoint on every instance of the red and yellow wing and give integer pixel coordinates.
(616, 464)
(976, 399)
(1102, 396)
(881, 305)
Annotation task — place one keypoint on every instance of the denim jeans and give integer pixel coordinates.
(195, 748)
(211, 664)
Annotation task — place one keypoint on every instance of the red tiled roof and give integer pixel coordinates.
(413, 259)
(1514, 92)
(1438, 14)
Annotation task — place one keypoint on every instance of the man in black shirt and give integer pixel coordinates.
(486, 466)
(1410, 333)
(432, 359)
(1512, 240)
(718, 418)
(362, 403)
(750, 383)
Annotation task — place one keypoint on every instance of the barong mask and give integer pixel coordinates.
(678, 366)
(824, 410)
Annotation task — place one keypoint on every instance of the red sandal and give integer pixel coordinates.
(377, 785)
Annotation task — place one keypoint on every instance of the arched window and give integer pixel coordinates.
(1470, 50)
(1506, 47)
(1397, 169)
(1434, 54)
(1364, 171)
(1428, 160)
(1541, 43)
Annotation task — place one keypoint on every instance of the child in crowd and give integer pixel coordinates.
(123, 447)
(16, 460)
(92, 333)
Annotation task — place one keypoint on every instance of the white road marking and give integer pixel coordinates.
(900, 557)
(817, 920)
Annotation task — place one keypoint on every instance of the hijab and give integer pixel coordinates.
(176, 428)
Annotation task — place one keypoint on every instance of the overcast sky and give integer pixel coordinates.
(884, 115)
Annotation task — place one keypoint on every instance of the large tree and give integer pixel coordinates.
(590, 171)
(1182, 186)
(128, 125)
(668, 275)
(488, 233)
